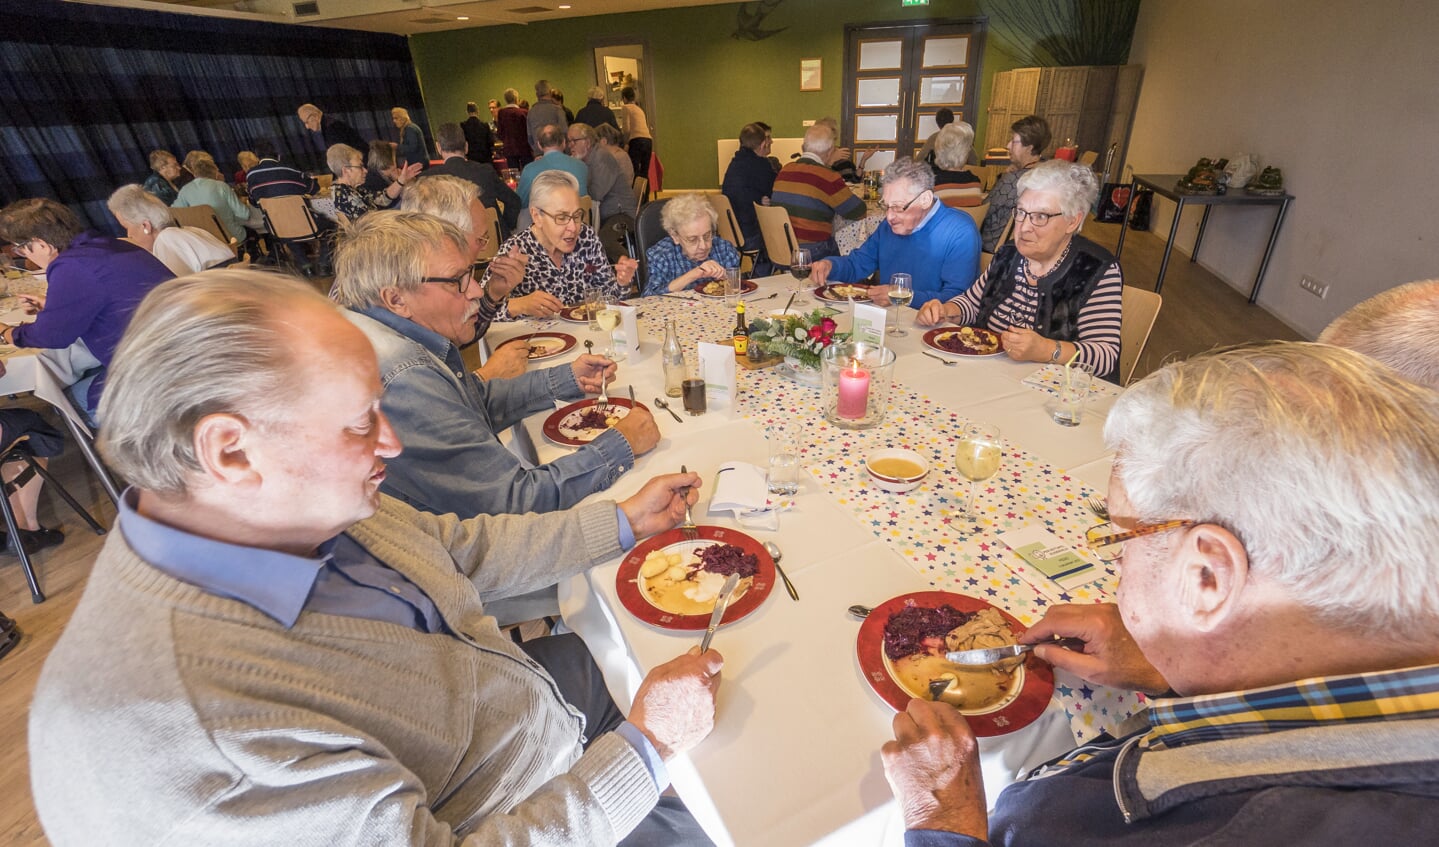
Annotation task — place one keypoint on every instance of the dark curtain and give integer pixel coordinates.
(1057, 33)
(86, 92)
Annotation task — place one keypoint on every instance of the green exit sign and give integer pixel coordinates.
(913, 2)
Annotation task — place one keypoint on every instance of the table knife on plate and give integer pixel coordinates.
(721, 603)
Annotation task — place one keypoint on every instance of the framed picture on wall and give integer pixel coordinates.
(810, 75)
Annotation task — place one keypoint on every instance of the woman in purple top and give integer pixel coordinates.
(95, 284)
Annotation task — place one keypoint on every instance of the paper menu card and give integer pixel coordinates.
(868, 324)
(627, 334)
(717, 369)
(1049, 562)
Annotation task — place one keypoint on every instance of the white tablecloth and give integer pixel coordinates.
(794, 758)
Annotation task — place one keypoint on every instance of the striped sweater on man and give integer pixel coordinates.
(814, 196)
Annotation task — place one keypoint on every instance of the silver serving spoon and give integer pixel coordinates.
(774, 553)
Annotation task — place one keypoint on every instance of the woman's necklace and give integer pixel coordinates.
(1029, 274)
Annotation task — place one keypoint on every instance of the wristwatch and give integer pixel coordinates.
(1054, 357)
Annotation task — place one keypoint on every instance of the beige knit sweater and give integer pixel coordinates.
(166, 715)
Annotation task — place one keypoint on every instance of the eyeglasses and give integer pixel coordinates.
(1036, 219)
(460, 282)
(576, 217)
(22, 246)
(895, 210)
(1109, 545)
(707, 238)
(347, 167)
(579, 140)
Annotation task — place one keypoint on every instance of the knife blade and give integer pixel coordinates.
(990, 655)
(721, 603)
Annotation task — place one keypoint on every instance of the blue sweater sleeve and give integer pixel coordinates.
(860, 263)
(940, 838)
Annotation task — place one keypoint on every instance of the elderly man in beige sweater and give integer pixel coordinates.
(269, 651)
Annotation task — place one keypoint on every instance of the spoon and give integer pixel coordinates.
(659, 401)
(774, 553)
(859, 611)
(589, 346)
(946, 362)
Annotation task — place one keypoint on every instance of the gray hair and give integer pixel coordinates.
(337, 156)
(1076, 185)
(686, 208)
(136, 205)
(918, 174)
(589, 132)
(511, 95)
(203, 344)
(445, 197)
(595, 93)
(1399, 327)
(387, 249)
(951, 148)
(610, 135)
(1322, 462)
(548, 183)
(542, 88)
(818, 139)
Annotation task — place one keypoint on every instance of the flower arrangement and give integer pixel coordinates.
(801, 337)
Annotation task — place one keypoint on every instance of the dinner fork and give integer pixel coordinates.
(943, 361)
(691, 532)
(1098, 508)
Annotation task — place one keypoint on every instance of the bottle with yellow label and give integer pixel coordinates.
(741, 332)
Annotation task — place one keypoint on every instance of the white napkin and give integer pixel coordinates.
(740, 489)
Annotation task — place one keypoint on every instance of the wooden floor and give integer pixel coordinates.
(1199, 312)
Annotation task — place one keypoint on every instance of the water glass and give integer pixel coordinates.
(901, 292)
(1074, 388)
(593, 301)
(733, 285)
(784, 465)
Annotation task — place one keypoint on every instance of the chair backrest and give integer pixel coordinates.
(202, 217)
(779, 238)
(641, 188)
(289, 218)
(984, 260)
(324, 181)
(1088, 158)
(728, 224)
(489, 222)
(587, 205)
(1140, 308)
(650, 232)
(1006, 232)
(961, 198)
(976, 212)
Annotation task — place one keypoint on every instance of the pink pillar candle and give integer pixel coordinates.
(853, 392)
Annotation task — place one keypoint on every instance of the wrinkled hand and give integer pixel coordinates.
(625, 271)
(879, 295)
(933, 768)
(1110, 656)
(932, 313)
(710, 269)
(32, 303)
(508, 361)
(640, 430)
(660, 504)
(675, 705)
(409, 172)
(537, 304)
(593, 372)
(1026, 345)
(819, 272)
(506, 271)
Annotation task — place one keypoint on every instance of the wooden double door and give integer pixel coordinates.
(898, 77)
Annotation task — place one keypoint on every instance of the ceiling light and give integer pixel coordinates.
(564, 6)
(462, 17)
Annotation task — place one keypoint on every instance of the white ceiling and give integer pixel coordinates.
(404, 17)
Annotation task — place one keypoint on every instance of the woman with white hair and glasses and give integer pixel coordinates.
(1051, 293)
(150, 224)
(692, 253)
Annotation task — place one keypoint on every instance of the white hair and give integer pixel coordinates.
(818, 139)
(596, 93)
(136, 205)
(1399, 327)
(445, 197)
(548, 183)
(1322, 462)
(387, 249)
(918, 174)
(685, 208)
(337, 156)
(951, 148)
(1076, 185)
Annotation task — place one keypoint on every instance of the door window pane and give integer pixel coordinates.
(940, 52)
(877, 92)
(927, 127)
(876, 128)
(879, 55)
(941, 90)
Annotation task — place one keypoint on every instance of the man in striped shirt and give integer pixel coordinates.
(814, 195)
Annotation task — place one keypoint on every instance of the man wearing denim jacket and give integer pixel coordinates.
(407, 280)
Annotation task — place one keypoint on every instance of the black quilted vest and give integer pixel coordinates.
(1062, 293)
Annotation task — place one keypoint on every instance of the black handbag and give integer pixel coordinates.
(1139, 215)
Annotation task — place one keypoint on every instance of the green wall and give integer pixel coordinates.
(707, 84)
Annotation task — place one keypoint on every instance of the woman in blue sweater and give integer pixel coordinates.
(936, 245)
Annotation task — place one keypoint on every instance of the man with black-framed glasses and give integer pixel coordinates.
(1274, 508)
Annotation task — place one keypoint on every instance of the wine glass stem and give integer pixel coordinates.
(969, 504)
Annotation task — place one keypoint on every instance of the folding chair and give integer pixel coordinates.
(19, 450)
(779, 239)
(290, 221)
(203, 217)
(1139, 309)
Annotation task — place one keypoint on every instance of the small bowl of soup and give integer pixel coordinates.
(896, 471)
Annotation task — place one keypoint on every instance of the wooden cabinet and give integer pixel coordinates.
(1093, 105)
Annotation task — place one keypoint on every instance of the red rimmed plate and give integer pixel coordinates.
(637, 600)
(745, 287)
(842, 292)
(546, 345)
(563, 426)
(988, 336)
(576, 314)
(1035, 687)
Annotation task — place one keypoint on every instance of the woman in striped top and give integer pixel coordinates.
(1051, 292)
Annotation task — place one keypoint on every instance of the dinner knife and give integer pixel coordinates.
(991, 655)
(721, 603)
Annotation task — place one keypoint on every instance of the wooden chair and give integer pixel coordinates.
(1088, 158)
(1139, 309)
(976, 212)
(779, 239)
(289, 218)
(587, 205)
(324, 181)
(729, 227)
(986, 258)
(489, 222)
(641, 188)
(203, 217)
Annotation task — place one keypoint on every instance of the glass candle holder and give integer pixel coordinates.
(855, 381)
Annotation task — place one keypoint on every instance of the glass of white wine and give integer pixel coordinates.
(977, 456)
(901, 292)
(608, 317)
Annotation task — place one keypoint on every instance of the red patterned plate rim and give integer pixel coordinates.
(823, 292)
(568, 343)
(931, 336)
(552, 423)
(745, 287)
(569, 314)
(1033, 697)
(632, 597)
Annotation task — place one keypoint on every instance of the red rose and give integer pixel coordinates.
(816, 332)
(828, 325)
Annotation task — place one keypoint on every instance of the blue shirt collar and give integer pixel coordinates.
(431, 340)
(933, 210)
(275, 583)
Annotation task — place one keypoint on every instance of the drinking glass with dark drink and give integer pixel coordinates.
(694, 395)
(799, 265)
